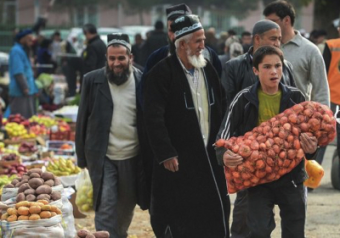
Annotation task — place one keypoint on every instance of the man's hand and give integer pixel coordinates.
(231, 160)
(309, 144)
(171, 164)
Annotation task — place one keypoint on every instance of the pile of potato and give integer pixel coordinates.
(30, 211)
(87, 234)
(36, 185)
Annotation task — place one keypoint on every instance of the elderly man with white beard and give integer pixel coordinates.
(182, 113)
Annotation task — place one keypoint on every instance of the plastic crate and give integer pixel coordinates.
(57, 147)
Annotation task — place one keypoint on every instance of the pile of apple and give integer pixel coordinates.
(27, 147)
(17, 118)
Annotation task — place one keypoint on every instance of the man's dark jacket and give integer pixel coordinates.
(199, 187)
(94, 55)
(242, 116)
(163, 52)
(93, 130)
(238, 74)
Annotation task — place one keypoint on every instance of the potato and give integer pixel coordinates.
(26, 176)
(4, 216)
(22, 218)
(53, 214)
(35, 170)
(55, 195)
(54, 208)
(29, 191)
(47, 176)
(23, 211)
(49, 182)
(101, 234)
(83, 233)
(12, 211)
(43, 189)
(20, 197)
(17, 185)
(22, 204)
(35, 175)
(90, 236)
(46, 208)
(56, 181)
(44, 197)
(9, 185)
(45, 214)
(12, 218)
(23, 187)
(44, 202)
(58, 211)
(15, 181)
(36, 204)
(31, 198)
(35, 209)
(35, 182)
(34, 217)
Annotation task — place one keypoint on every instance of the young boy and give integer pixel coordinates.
(251, 107)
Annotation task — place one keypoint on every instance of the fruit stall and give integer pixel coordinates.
(38, 176)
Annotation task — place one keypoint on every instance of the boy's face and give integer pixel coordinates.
(270, 73)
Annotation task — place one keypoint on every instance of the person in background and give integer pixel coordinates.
(156, 40)
(331, 55)
(258, 103)
(182, 113)
(22, 87)
(211, 40)
(56, 46)
(44, 58)
(246, 40)
(108, 141)
(94, 54)
(232, 49)
(137, 50)
(309, 67)
(221, 42)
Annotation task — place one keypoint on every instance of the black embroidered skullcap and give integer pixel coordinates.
(120, 39)
(185, 25)
(176, 11)
(263, 26)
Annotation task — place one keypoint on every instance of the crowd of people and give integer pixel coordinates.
(147, 122)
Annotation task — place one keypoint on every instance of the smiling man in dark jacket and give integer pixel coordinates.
(108, 138)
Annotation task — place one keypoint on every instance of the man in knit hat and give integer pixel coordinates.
(108, 141)
(309, 68)
(182, 114)
(237, 75)
(22, 86)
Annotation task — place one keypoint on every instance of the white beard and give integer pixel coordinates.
(196, 61)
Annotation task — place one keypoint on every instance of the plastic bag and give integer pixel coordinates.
(315, 173)
(84, 197)
(44, 228)
(67, 211)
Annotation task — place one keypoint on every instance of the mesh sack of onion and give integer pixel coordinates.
(273, 148)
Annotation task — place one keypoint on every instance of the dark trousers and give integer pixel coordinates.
(291, 200)
(118, 197)
(239, 227)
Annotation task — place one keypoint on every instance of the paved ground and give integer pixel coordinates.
(323, 212)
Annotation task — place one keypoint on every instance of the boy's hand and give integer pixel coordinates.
(309, 144)
(231, 160)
